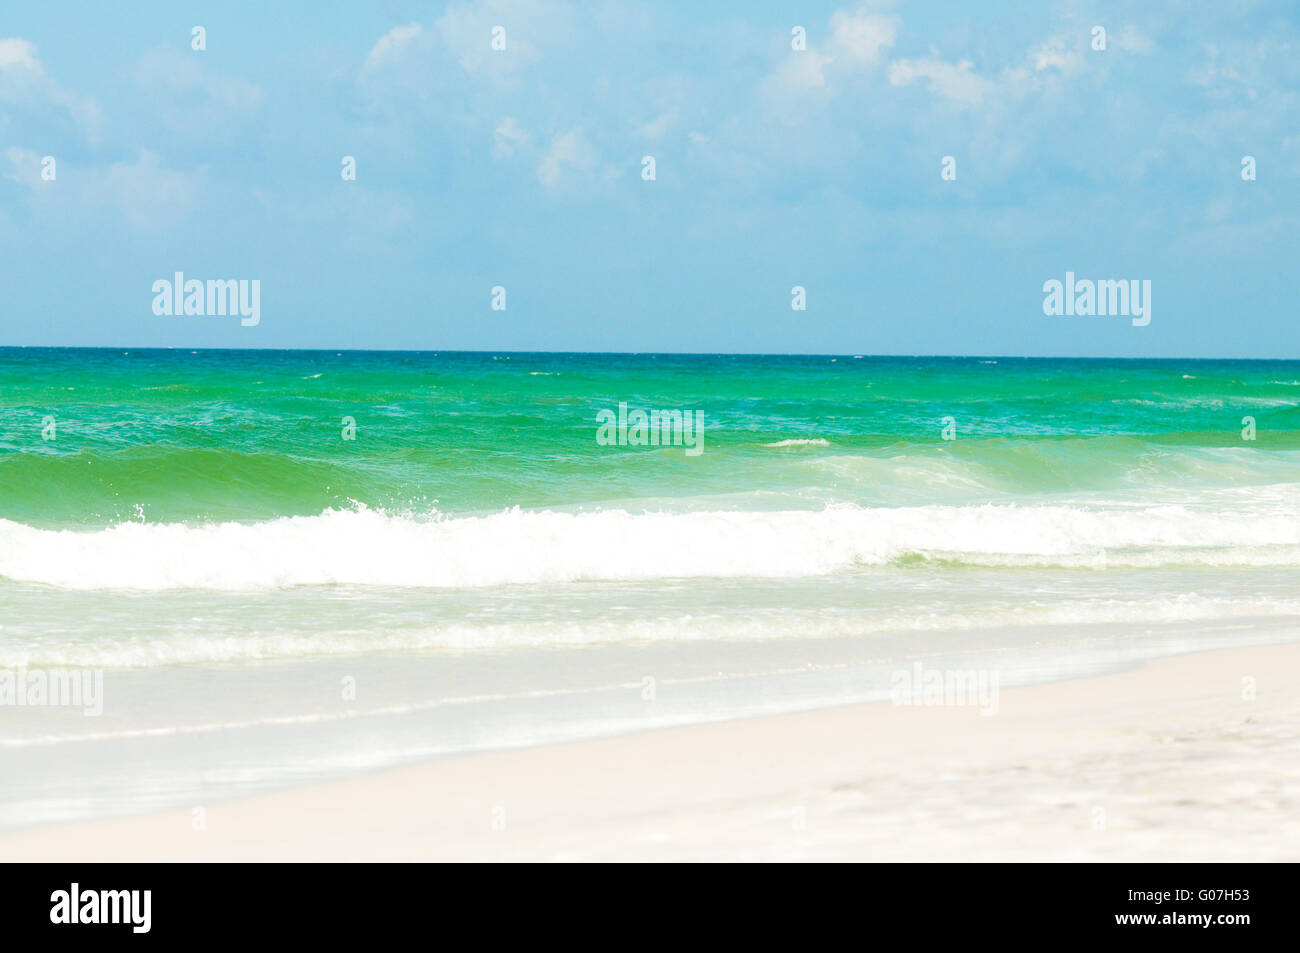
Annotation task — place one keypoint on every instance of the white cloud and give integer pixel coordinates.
(147, 195)
(193, 100)
(391, 46)
(860, 37)
(1052, 54)
(571, 158)
(441, 65)
(1046, 65)
(26, 166)
(806, 80)
(1229, 72)
(144, 193)
(509, 138)
(797, 88)
(807, 70)
(23, 81)
(957, 82)
(18, 56)
(532, 29)
(656, 128)
(1133, 40)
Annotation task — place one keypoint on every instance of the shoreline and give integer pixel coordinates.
(1165, 761)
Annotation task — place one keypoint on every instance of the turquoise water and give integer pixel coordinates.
(229, 473)
(183, 436)
(490, 573)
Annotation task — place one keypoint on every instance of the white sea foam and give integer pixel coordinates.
(363, 547)
(801, 442)
(125, 650)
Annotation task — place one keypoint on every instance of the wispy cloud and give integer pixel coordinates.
(957, 82)
(23, 82)
(571, 160)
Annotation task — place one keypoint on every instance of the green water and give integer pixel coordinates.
(172, 436)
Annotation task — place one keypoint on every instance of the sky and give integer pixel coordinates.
(523, 168)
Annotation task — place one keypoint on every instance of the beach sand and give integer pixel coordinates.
(1174, 760)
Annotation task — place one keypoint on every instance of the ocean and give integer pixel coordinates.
(293, 565)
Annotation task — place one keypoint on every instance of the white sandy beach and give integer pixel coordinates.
(1170, 761)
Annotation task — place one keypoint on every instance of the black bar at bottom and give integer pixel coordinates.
(332, 903)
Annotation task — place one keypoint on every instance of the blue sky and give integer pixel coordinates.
(775, 168)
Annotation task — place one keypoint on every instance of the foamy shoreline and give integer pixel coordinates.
(1168, 761)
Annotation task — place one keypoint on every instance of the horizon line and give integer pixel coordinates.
(833, 354)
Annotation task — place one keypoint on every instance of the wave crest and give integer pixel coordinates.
(366, 547)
